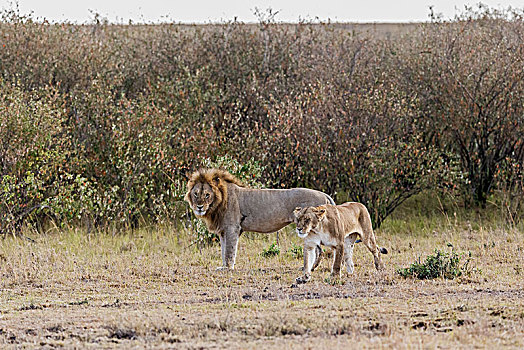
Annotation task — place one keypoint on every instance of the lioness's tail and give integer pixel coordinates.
(383, 250)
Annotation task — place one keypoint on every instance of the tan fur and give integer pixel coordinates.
(229, 208)
(336, 226)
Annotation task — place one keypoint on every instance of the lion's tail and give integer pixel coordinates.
(330, 200)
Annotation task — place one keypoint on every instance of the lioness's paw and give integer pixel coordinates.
(224, 268)
(303, 279)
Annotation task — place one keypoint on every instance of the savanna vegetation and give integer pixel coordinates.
(101, 123)
(151, 288)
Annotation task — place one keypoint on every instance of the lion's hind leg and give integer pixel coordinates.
(337, 260)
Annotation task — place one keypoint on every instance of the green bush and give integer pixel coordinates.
(271, 251)
(296, 251)
(440, 265)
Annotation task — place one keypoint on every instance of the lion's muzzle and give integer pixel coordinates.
(199, 210)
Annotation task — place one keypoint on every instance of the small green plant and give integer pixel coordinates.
(296, 251)
(203, 236)
(334, 281)
(272, 250)
(441, 264)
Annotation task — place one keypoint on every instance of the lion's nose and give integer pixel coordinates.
(200, 207)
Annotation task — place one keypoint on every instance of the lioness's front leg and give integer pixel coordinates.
(309, 259)
(318, 252)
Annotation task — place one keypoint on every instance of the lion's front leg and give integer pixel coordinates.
(229, 246)
(309, 259)
(223, 251)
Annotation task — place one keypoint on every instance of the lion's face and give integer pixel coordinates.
(308, 219)
(201, 198)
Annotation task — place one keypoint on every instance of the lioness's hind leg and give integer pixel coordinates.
(318, 252)
(368, 238)
(349, 244)
(371, 244)
(337, 261)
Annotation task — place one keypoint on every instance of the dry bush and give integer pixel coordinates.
(133, 108)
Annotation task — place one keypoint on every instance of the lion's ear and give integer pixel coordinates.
(187, 197)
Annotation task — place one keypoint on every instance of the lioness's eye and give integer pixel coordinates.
(207, 195)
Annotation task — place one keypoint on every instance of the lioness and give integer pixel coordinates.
(336, 226)
(229, 208)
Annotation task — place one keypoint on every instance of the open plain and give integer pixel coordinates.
(152, 288)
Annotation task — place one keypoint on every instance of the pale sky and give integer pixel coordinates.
(195, 11)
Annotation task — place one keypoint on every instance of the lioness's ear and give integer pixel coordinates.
(297, 210)
(320, 212)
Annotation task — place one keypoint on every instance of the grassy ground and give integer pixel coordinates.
(152, 289)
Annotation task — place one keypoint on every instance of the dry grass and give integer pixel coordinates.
(145, 289)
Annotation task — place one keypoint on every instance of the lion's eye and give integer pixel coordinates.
(207, 195)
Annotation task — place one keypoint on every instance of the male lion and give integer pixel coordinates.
(229, 208)
(336, 226)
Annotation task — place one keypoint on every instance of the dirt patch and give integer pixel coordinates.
(146, 298)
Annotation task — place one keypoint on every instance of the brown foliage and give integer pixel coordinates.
(132, 109)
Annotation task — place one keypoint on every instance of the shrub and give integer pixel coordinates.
(296, 251)
(440, 265)
(271, 251)
(468, 76)
(101, 123)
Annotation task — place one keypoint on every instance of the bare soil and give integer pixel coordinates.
(153, 289)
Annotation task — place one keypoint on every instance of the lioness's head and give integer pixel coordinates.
(205, 191)
(308, 219)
